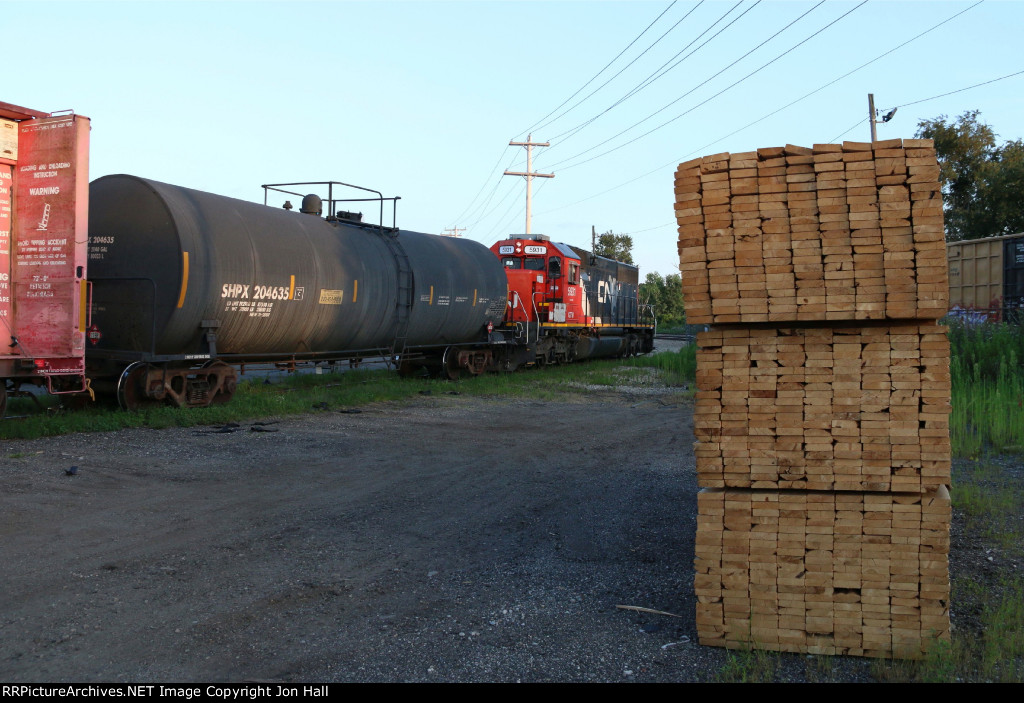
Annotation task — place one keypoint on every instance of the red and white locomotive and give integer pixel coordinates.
(584, 305)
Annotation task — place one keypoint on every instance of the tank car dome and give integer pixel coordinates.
(312, 205)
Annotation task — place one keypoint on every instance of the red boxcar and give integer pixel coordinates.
(44, 200)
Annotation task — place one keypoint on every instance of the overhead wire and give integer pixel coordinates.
(662, 71)
(538, 125)
(770, 114)
(490, 197)
(696, 87)
(849, 129)
(924, 100)
(960, 90)
(470, 207)
(832, 82)
(505, 217)
(724, 90)
(509, 219)
(654, 75)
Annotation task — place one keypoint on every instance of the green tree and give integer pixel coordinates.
(982, 182)
(666, 295)
(615, 246)
(1002, 192)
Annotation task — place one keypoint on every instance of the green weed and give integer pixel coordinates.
(749, 666)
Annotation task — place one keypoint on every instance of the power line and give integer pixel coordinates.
(856, 124)
(648, 80)
(635, 40)
(770, 114)
(469, 208)
(490, 197)
(924, 100)
(661, 73)
(504, 217)
(504, 224)
(832, 82)
(641, 231)
(952, 92)
(465, 213)
(696, 87)
(730, 87)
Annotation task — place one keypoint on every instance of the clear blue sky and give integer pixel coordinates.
(420, 99)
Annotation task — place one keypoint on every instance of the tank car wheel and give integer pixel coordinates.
(450, 364)
(131, 393)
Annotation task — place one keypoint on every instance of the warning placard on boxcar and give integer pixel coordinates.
(331, 297)
(48, 236)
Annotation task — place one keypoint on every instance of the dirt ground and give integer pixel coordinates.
(445, 539)
(451, 539)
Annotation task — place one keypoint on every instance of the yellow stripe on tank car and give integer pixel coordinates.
(184, 278)
(474, 297)
(431, 295)
(291, 289)
(355, 290)
(83, 305)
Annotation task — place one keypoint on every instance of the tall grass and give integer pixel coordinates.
(679, 368)
(987, 388)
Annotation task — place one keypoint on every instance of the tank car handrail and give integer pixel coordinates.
(331, 200)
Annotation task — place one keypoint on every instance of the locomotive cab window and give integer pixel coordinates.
(554, 267)
(533, 264)
(512, 262)
(574, 274)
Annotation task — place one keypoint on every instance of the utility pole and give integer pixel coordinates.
(452, 231)
(529, 175)
(871, 117)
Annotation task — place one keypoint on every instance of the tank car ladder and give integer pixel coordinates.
(405, 290)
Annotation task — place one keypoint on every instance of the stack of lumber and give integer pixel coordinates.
(823, 395)
(833, 232)
(824, 408)
(823, 573)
